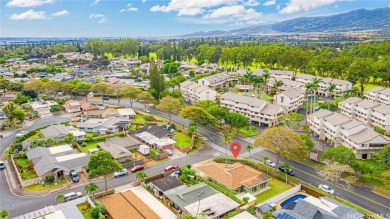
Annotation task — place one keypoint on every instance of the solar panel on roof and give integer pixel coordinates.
(285, 216)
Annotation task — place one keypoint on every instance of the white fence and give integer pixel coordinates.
(282, 195)
(74, 202)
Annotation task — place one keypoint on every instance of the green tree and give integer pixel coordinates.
(131, 92)
(91, 188)
(20, 98)
(145, 98)
(285, 167)
(156, 80)
(60, 197)
(101, 88)
(308, 141)
(170, 105)
(118, 91)
(383, 157)
(141, 175)
(226, 138)
(360, 72)
(236, 120)
(218, 112)
(82, 89)
(339, 154)
(15, 116)
(101, 164)
(283, 142)
(248, 148)
(4, 213)
(291, 120)
(331, 89)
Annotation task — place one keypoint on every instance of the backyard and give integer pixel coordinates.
(85, 210)
(182, 140)
(277, 187)
(91, 144)
(26, 172)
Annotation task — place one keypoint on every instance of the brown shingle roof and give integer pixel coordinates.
(127, 205)
(233, 176)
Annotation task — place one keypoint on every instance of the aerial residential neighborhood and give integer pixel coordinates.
(194, 109)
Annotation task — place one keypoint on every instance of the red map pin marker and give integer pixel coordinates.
(235, 148)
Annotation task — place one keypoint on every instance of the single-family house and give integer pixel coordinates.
(166, 185)
(155, 137)
(42, 107)
(104, 126)
(119, 153)
(72, 106)
(57, 132)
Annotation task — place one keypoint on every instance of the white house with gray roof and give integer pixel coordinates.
(379, 95)
(57, 132)
(221, 80)
(291, 100)
(342, 130)
(104, 126)
(57, 161)
(193, 92)
(341, 85)
(257, 111)
(367, 111)
(276, 73)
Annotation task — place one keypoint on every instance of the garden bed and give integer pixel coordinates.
(44, 187)
(28, 171)
(85, 210)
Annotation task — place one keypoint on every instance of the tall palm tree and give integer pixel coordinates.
(308, 87)
(226, 138)
(266, 76)
(285, 167)
(91, 189)
(249, 147)
(278, 84)
(60, 197)
(141, 175)
(315, 81)
(257, 81)
(248, 76)
(331, 88)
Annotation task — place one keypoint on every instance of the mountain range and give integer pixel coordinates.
(356, 20)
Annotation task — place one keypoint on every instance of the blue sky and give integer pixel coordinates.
(141, 18)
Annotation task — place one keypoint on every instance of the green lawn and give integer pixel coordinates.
(39, 187)
(277, 187)
(86, 214)
(91, 134)
(133, 127)
(182, 140)
(34, 136)
(249, 132)
(153, 55)
(22, 162)
(139, 118)
(28, 172)
(92, 144)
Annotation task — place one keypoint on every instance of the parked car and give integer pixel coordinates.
(2, 165)
(72, 195)
(146, 111)
(123, 172)
(326, 189)
(74, 176)
(176, 173)
(289, 171)
(137, 168)
(106, 98)
(20, 134)
(270, 163)
(169, 168)
(317, 108)
(169, 152)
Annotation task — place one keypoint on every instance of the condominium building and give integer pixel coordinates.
(276, 73)
(287, 84)
(379, 95)
(345, 131)
(291, 100)
(221, 80)
(341, 85)
(257, 111)
(367, 111)
(193, 92)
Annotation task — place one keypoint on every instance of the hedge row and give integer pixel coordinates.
(103, 137)
(223, 191)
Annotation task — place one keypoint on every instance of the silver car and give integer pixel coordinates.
(270, 163)
(121, 173)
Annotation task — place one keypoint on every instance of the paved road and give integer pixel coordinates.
(365, 199)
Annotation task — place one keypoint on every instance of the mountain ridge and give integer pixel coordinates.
(355, 20)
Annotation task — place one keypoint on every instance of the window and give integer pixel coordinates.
(281, 99)
(207, 94)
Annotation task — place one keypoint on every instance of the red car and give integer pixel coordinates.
(137, 168)
(169, 168)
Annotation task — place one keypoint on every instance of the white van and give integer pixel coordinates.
(72, 195)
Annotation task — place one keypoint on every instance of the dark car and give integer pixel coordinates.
(137, 168)
(169, 168)
(289, 171)
(74, 176)
(106, 98)
(2, 165)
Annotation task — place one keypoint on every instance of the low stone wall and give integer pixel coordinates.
(133, 163)
(103, 194)
(184, 150)
(161, 156)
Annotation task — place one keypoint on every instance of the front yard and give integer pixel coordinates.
(91, 144)
(182, 140)
(44, 187)
(277, 187)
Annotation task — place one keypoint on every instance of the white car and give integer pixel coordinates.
(21, 133)
(121, 173)
(146, 110)
(326, 189)
(270, 163)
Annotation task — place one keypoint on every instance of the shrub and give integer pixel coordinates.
(251, 211)
(148, 117)
(96, 211)
(49, 179)
(55, 108)
(380, 130)
(232, 214)
(245, 199)
(84, 144)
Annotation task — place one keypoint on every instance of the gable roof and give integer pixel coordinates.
(320, 114)
(251, 101)
(166, 183)
(293, 92)
(234, 175)
(368, 135)
(55, 130)
(88, 106)
(126, 112)
(155, 130)
(116, 151)
(127, 141)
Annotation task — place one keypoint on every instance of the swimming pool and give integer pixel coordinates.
(292, 199)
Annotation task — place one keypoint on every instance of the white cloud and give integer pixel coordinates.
(60, 13)
(269, 3)
(143, 1)
(98, 18)
(29, 15)
(128, 10)
(95, 2)
(295, 6)
(190, 8)
(28, 3)
(252, 3)
(235, 12)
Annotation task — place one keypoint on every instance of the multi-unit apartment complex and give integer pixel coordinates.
(367, 111)
(193, 92)
(221, 80)
(257, 111)
(341, 85)
(379, 95)
(348, 132)
(276, 73)
(291, 100)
